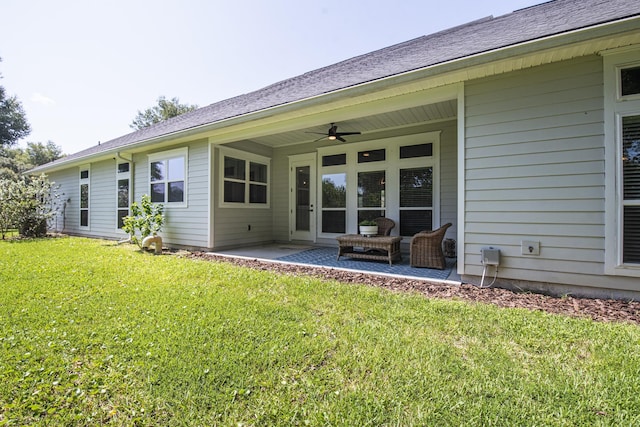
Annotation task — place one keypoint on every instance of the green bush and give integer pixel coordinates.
(146, 219)
(27, 204)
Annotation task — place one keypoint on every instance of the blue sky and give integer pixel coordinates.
(83, 69)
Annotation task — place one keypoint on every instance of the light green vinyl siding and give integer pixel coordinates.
(534, 157)
(244, 225)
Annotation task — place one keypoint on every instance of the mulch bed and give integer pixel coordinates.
(596, 309)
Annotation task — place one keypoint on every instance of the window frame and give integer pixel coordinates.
(165, 156)
(248, 158)
(84, 181)
(616, 108)
(391, 166)
(119, 177)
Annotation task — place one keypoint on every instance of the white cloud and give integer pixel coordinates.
(39, 98)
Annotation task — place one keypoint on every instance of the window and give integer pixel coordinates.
(631, 189)
(416, 200)
(418, 150)
(395, 178)
(334, 203)
(334, 160)
(245, 179)
(371, 201)
(372, 156)
(84, 196)
(622, 162)
(167, 177)
(630, 81)
(123, 195)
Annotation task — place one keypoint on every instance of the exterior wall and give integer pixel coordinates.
(534, 165)
(68, 217)
(102, 201)
(235, 227)
(185, 226)
(448, 178)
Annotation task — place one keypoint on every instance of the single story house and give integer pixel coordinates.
(522, 130)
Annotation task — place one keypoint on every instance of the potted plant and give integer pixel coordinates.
(368, 227)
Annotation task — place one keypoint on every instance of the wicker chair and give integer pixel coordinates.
(385, 225)
(426, 248)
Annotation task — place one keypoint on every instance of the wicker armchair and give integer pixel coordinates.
(426, 248)
(385, 225)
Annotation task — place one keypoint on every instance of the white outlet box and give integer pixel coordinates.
(530, 247)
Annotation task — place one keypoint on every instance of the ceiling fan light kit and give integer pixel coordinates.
(333, 134)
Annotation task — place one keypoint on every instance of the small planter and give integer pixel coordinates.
(368, 230)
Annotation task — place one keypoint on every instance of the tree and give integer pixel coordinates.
(27, 203)
(38, 153)
(15, 160)
(13, 120)
(165, 109)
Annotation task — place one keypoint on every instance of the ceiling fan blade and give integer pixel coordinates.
(341, 139)
(347, 133)
(318, 133)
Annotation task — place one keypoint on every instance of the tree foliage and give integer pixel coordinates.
(27, 204)
(38, 153)
(146, 219)
(13, 120)
(15, 160)
(165, 109)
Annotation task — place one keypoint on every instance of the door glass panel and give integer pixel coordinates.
(303, 213)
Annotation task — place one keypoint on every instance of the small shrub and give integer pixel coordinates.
(27, 204)
(146, 219)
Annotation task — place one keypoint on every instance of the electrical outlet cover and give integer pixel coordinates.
(530, 247)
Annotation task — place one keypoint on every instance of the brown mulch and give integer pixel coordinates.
(596, 309)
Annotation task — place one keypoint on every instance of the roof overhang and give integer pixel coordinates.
(420, 86)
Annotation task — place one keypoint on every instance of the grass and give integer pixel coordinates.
(92, 333)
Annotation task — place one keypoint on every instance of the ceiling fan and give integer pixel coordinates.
(333, 134)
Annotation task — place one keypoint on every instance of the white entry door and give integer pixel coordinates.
(302, 197)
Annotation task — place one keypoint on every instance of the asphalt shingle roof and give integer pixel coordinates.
(488, 34)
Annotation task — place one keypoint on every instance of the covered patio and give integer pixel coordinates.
(326, 257)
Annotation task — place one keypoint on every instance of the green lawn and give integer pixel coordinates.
(93, 333)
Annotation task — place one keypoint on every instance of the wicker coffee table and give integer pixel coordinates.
(363, 247)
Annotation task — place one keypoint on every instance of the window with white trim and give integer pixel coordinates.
(630, 189)
(622, 138)
(244, 179)
(395, 178)
(168, 177)
(123, 193)
(85, 179)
